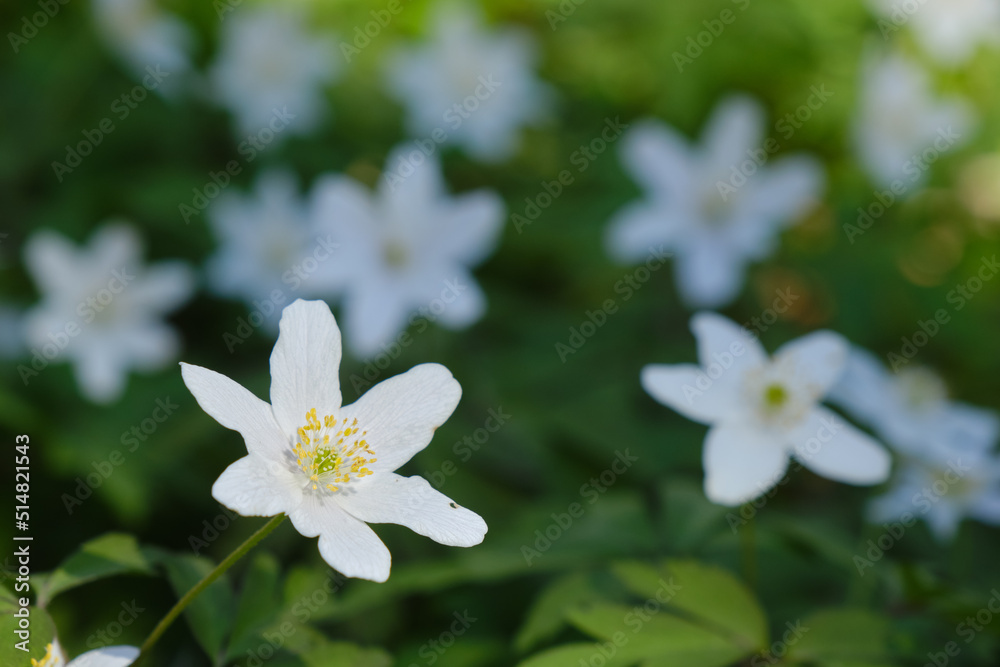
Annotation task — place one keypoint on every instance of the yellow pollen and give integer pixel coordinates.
(326, 453)
(50, 659)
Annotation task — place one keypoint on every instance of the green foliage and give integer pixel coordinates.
(106, 556)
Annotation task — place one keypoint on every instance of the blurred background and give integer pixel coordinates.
(229, 153)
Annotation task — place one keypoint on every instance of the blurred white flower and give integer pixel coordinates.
(330, 468)
(946, 482)
(101, 309)
(762, 410)
(268, 241)
(949, 30)
(408, 248)
(108, 656)
(902, 128)
(144, 36)
(470, 86)
(271, 68)
(717, 206)
(11, 332)
(910, 409)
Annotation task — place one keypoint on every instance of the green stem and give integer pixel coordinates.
(189, 597)
(748, 543)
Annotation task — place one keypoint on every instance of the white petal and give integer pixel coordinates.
(401, 414)
(986, 507)
(637, 228)
(412, 502)
(375, 313)
(658, 158)
(109, 656)
(975, 428)
(101, 372)
(741, 463)
(725, 345)
(468, 306)
(51, 259)
(710, 274)
(255, 486)
(785, 190)
(305, 364)
(230, 404)
(815, 361)
(470, 227)
(688, 390)
(943, 519)
(833, 448)
(864, 388)
(163, 287)
(346, 544)
(114, 245)
(736, 125)
(415, 193)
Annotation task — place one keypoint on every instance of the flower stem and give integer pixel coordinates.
(189, 597)
(748, 544)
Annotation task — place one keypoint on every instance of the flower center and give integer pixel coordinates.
(50, 659)
(922, 387)
(775, 396)
(329, 452)
(395, 254)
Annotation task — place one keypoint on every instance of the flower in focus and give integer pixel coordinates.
(470, 86)
(910, 409)
(901, 128)
(330, 467)
(101, 308)
(268, 242)
(144, 36)
(270, 71)
(411, 246)
(108, 656)
(945, 482)
(762, 410)
(949, 30)
(718, 206)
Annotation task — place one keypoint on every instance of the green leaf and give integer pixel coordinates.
(841, 638)
(654, 633)
(8, 600)
(715, 597)
(574, 655)
(109, 555)
(316, 650)
(43, 632)
(210, 614)
(259, 603)
(548, 613)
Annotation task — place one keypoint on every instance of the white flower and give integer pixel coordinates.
(949, 30)
(910, 409)
(268, 242)
(691, 208)
(899, 118)
(101, 308)
(146, 36)
(108, 656)
(761, 410)
(477, 87)
(330, 468)
(408, 248)
(943, 484)
(270, 71)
